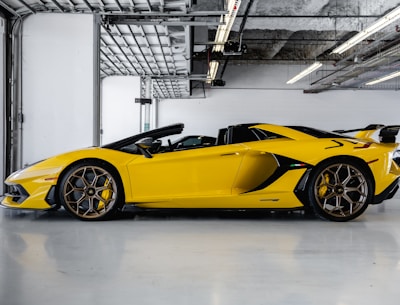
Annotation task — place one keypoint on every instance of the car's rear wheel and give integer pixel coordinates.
(91, 190)
(340, 190)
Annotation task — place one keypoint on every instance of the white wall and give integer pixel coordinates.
(58, 95)
(120, 115)
(57, 80)
(260, 94)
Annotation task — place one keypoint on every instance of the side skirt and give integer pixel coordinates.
(388, 193)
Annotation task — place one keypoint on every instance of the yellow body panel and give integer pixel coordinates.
(210, 171)
(215, 171)
(279, 195)
(38, 178)
(225, 176)
(37, 182)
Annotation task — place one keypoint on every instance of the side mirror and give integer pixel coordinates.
(143, 145)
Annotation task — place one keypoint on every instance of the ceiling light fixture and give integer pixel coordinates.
(305, 72)
(375, 27)
(212, 71)
(383, 78)
(221, 37)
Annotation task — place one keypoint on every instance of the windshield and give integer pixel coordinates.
(128, 144)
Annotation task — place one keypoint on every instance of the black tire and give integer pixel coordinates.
(340, 189)
(91, 190)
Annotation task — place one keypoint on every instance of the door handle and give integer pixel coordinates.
(230, 154)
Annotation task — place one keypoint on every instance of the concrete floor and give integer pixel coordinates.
(49, 258)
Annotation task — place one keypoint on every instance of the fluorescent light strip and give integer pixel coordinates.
(212, 71)
(221, 37)
(375, 27)
(305, 72)
(384, 78)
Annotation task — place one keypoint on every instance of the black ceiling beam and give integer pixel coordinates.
(28, 6)
(157, 20)
(8, 9)
(59, 6)
(241, 29)
(172, 14)
(309, 16)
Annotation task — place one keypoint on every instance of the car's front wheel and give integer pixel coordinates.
(340, 190)
(91, 190)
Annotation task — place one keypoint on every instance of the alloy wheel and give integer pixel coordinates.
(90, 192)
(341, 190)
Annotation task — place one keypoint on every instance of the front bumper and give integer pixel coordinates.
(17, 197)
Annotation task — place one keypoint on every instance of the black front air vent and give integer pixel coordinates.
(51, 197)
(17, 193)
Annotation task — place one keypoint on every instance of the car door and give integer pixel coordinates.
(209, 171)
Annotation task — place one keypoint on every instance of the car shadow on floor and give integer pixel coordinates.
(213, 214)
(134, 214)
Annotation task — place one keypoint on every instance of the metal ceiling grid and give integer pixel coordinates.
(149, 51)
(137, 41)
(169, 40)
(24, 7)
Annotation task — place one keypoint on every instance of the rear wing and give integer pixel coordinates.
(373, 127)
(387, 134)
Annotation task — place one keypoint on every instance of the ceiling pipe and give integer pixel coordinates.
(387, 57)
(360, 67)
(241, 29)
(373, 28)
(371, 46)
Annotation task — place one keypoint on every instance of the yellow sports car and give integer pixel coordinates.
(250, 166)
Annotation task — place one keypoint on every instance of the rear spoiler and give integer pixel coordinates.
(387, 134)
(368, 128)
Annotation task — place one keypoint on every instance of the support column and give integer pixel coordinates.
(96, 82)
(154, 113)
(13, 99)
(145, 105)
(3, 116)
(146, 125)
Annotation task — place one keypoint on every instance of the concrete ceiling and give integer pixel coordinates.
(170, 40)
(297, 32)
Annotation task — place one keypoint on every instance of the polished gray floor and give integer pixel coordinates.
(49, 258)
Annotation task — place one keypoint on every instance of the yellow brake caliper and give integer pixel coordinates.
(105, 195)
(323, 186)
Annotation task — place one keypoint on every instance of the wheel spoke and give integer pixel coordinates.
(349, 176)
(338, 201)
